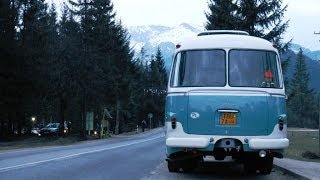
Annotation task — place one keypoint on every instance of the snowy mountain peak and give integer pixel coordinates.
(314, 55)
(154, 35)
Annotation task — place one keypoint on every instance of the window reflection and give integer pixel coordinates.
(253, 68)
(202, 68)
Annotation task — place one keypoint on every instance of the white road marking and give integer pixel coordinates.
(77, 154)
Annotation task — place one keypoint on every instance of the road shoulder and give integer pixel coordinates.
(300, 169)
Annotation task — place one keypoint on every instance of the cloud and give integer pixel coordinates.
(164, 12)
(303, 8)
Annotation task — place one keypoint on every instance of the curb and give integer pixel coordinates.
(291, 173)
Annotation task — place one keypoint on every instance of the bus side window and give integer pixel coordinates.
(182, 69)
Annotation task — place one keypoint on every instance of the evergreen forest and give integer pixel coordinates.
(58, 66)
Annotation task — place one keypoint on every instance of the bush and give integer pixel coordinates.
(310, 155)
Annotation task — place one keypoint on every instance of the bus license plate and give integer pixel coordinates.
(228, 119)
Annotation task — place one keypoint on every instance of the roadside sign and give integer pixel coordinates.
(150, 115)
(89, 121)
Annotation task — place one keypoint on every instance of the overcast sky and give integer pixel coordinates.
(304, 16)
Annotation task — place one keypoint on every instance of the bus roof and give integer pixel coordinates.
(225, 41)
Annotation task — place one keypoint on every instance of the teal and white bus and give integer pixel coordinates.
(226, 97)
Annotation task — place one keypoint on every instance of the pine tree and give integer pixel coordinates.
(122, 74)
(258, 17)
(163, 81)
(60, 67)
(302, 106)
(106, 50)
(86, 66)
(157, 82)
(263, 19)
(11, 77)
(33, 41)
(222, 15)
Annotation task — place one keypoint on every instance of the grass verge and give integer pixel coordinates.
(34, 141)
(304, 145)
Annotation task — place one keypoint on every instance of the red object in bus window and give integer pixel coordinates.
(268, 74)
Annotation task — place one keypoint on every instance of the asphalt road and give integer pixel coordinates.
(134, 157)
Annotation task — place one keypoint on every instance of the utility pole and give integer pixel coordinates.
(318, 33)
(319, 120)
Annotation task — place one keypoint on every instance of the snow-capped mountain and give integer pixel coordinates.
(152, 37)
(155, 35)
(315, 55)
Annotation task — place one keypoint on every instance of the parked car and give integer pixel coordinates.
(35, 131)
(52, 129)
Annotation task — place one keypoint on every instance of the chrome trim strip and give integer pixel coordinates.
(228, 111)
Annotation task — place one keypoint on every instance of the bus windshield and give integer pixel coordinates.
(253, 68)
(201, 68)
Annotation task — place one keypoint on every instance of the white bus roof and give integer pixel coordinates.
(225, 40)
(214, 32)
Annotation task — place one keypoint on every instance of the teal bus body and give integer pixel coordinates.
(249, 124)
(226, 97)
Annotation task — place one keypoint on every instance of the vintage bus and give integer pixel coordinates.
(226, 98)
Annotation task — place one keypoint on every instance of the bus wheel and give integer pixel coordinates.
(266, 165)
(191, 164)
(188, 169)
(250, 165)
(172, 166)
(249, 168)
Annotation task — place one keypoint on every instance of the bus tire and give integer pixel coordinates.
(250, 164)
(172, 167)
(188, 169)
(266, 165)
(189, 166)
(249, 168)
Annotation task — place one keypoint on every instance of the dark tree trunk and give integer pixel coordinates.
(116, 131)
(2, 129)
(83, 110)
(10, 125)
(63, 105)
